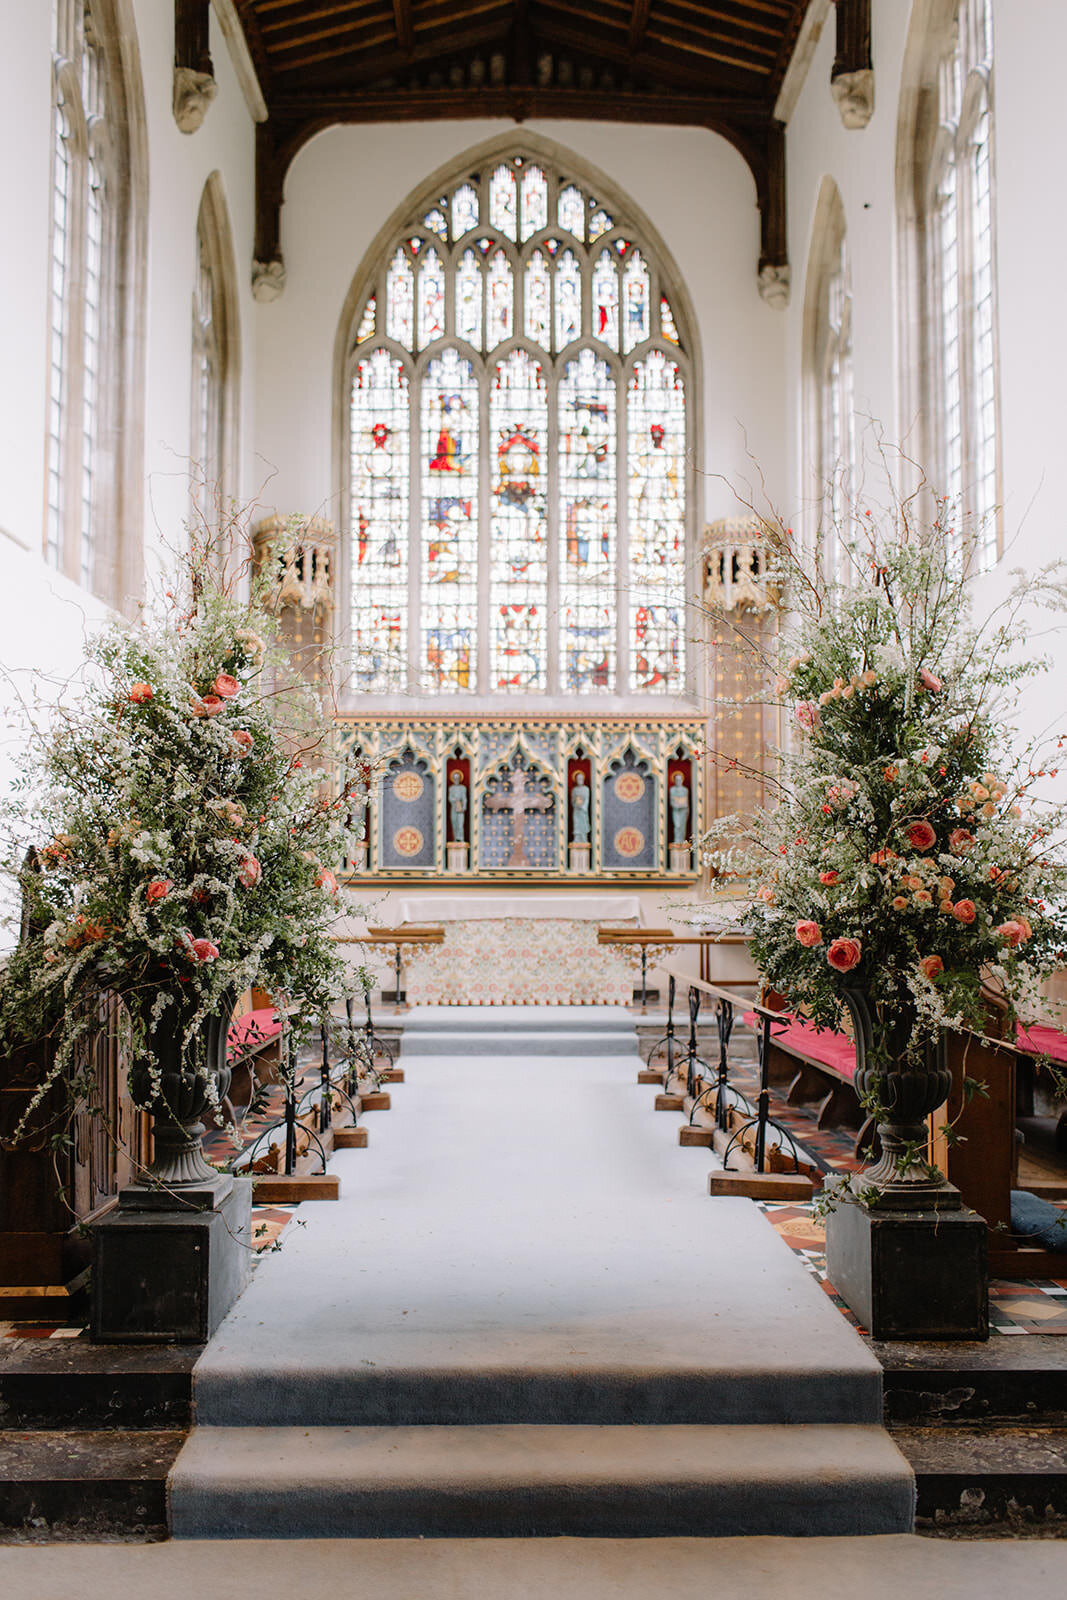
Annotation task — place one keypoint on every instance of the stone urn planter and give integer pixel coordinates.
(901, 1248)
(173, 1256)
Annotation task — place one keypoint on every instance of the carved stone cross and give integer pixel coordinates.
(517, 801)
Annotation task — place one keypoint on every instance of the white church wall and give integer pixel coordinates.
(342, 188)
(1030, 144)
(43, 616)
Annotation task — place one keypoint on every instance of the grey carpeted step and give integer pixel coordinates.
(519, 1042)
(515, 1482)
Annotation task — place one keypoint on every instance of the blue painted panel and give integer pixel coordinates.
(629, 832)
(407, 814)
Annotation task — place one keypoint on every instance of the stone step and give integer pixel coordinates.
(538, 1481)
(983, 1475)
(1003, 1380)
(519, 1042)
(70, 1383)
(86, 1485)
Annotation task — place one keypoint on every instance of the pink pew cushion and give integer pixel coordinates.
(252, 1029)
(834, 1050)
(1039, 1041)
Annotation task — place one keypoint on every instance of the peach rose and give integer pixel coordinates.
(923, 897)
(931, 967)
(920, 835)
(766, 894)
(249, 872)
(1025, 925)
(929, 680)
(945, 907)
(325, 879)
(1012, 934)
(900, 902)
(809, 934)
(141, 693)
(828, 877)
(965, 911)
(960, 841)
(243, 741)
(212, 705)
(225, 686)
(203, 950)
(890, 774)
(158, 889)
(844, 954)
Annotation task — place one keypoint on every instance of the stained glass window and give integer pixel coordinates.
(431, 298)
(537, 292)
(655, 441)
(606, 300)
(588, 479)
(517, 518)
(568, 299)
(502, 200)
(449, 490)
(469, 299)
(534, 202)
(518, 533)
(380, 452)
(500, 307)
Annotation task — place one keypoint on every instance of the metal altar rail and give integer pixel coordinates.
(720, 1094)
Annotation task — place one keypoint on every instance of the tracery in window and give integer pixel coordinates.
(517, 498)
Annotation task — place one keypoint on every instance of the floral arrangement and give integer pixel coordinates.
(908, 855)
(175, 837)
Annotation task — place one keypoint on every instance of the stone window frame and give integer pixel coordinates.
(561, 163)
(215, 372)
(94, 430)
(829, 427)
(946, 210)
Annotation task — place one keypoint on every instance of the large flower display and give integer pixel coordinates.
(175, 837)
(909, 855)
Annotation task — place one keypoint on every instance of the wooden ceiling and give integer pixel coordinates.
(717, 64)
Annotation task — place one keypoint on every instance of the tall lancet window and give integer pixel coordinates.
(90, 194)
(518, 397)
(828, 361)
(216, 362)
(948, 205)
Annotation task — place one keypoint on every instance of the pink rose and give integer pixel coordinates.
(203, 950)
(250, 872)
(929, 680)
(931, 967)
(325, 879)
(226, 686)
(809, 934)
(844, 954)
(807, 714)
(965, 911)
(141, 693)
(158, 889)
(960, 841)
(828, 877)
(243, 742)
(920, 835)
(1012, 933)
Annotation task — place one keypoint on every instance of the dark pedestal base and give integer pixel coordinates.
(911, 1274)
(169, 1276)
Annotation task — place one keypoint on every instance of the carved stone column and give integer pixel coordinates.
(300, 554)
(742, 599)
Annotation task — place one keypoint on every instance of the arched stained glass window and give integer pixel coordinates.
(520, 448)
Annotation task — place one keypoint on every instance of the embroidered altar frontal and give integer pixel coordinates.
(531, 799)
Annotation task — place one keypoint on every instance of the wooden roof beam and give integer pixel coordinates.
(638, 24)
(405, 33)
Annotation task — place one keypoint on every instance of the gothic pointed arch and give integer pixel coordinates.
(216, 364)
(515, 379)
(829, 464)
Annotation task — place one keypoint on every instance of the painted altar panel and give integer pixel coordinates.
(518, 819)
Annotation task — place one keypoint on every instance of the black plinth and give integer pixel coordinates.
(911, 1274)
(168, 1276)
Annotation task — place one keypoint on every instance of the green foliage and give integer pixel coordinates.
(187, 834)
(908, 854)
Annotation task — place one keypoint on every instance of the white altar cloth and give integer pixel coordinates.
(501, 907)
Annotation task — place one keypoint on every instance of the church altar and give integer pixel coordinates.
(518, 949)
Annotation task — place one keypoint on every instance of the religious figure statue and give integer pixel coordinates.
(457, 806)
(580, 810)
(678, 795)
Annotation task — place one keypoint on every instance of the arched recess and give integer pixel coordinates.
(827, 425)
(216, 365)
(946, 260)
(683, 347)
(95, 427)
